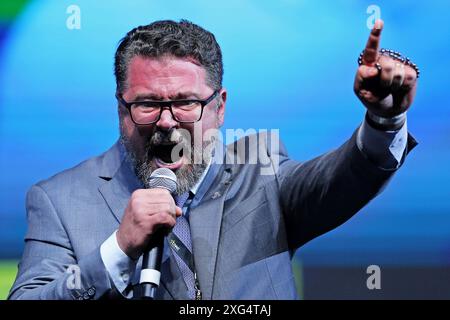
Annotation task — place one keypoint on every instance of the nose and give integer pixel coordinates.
(166, 122)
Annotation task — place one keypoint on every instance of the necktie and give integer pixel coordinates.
(181, 246)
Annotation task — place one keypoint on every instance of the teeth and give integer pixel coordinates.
(163, 162)
(166, 163)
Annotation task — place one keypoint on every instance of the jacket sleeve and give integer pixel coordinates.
(319, 195)
(49, 268)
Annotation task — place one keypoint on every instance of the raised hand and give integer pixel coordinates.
(385, 85)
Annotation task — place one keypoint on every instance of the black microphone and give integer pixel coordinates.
(151, 262)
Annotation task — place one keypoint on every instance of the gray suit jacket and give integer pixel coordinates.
(245, 228)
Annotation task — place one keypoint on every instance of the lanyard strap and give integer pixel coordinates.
(180, 249)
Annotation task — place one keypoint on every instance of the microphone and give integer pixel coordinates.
(151, 262)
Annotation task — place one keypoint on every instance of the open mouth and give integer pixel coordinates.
(165, 156)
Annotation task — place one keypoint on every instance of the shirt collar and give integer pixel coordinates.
(212, 159)
(194, 189)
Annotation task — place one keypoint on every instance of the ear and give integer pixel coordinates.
(221, 108)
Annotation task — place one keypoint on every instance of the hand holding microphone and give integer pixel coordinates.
(148, 211)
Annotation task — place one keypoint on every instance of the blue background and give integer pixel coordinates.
(288, 65)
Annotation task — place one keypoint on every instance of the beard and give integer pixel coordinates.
(196, 159)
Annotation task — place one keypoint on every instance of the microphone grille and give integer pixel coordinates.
(163, 178)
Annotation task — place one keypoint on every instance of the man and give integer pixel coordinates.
(239, 228)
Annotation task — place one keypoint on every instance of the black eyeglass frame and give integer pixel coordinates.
(166, 105)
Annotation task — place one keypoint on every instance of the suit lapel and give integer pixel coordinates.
(118, 189)
(205, 223)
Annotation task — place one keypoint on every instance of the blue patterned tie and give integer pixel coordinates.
(183, 233)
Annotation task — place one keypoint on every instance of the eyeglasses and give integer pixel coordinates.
(183, 111)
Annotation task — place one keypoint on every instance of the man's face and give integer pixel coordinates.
(150, 146)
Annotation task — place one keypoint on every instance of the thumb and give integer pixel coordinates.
(178, 211)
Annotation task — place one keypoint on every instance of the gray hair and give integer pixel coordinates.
(182, 39)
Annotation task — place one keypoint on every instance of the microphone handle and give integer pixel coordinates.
(152, 260)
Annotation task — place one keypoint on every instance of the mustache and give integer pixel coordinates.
(173, 138)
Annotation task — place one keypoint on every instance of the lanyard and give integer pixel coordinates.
(180, 249)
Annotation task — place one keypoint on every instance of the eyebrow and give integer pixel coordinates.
(155, 97)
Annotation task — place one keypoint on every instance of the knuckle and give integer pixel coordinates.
(163, 208)
(134, 200)
(161, 191)
(388, 68)
(138, 207)
(136, 197)
(410, 76)
(168, 208)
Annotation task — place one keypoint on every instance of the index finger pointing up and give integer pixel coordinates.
(371, 51)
